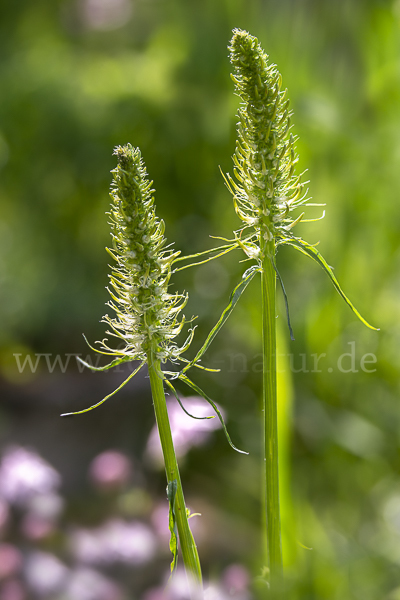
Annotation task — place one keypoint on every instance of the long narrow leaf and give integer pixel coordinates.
(200, 366)
(233, 300)
(313, 253)
(285, 298)
(206, 260)
(196, 388)
(217, 249)
(79, 412)
(113, 363)
(171, 387)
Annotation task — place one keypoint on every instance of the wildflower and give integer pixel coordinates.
(146, 321)
(24, 475)
(110, 470)
(265, 155)
(266, 189)
(115, 541)
(45, 574)
(146, 313)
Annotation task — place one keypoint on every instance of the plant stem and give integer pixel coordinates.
(187, 543)
(268, 287)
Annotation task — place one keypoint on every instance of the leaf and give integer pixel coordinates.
(206, 260)
(313, 253)
(200, 366)
(169, 384)
(196, 388)
(79, 412)
(113, 363)
(173, 542)
(285, 298)
(233, 300)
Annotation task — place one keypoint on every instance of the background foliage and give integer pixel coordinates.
(79, 77)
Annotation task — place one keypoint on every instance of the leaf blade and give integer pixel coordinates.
(315, 255)
(85, 410)
(196, 388)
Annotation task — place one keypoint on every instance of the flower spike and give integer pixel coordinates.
(267, 189)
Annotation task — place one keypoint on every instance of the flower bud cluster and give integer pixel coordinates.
(146, 314)
(265, 155)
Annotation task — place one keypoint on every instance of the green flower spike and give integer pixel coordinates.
(147, 316)
(146, 323)
(267, 189)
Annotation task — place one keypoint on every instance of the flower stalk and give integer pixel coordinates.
(187, 544)
(270, 410)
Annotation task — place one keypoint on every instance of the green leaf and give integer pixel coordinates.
(233, 300)
(227, 249)
(285, 298)
(79, 412)
(196, 388)
(173, 542)
(171, 387)
(113, 363)
(313, 253)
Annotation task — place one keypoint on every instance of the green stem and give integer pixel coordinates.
(187, 543)
(268, 287)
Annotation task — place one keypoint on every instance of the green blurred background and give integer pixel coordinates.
(81, 76)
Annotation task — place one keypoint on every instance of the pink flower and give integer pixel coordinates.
(111, 469)
(116, 541)
(10, 560)
(24, 474)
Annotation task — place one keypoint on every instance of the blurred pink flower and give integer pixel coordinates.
(40, 520)
(179, 587)
(45, 574)
(10, 560)
(116, 541)
(159, 519)
(48, 506)
(12, 590)
(236, 580)
(106, 14)
(24, 474)
(36, 528)
(87, 584)
(215, 592)
(111, 469)
(186, 431)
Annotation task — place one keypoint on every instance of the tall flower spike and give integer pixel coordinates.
(146, 320)
(265, 156)
(267, 188)
(146, 313)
